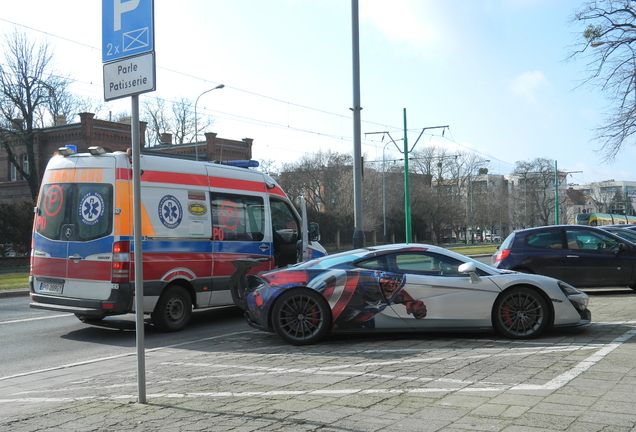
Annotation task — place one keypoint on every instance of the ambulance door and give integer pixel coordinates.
(238, 231)
(286, 232)
(89, 231)
(73, 227)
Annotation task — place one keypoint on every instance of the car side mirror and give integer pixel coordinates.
(314, 231)
(622, 247)
(471, 269)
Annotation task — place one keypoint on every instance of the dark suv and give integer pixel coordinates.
(580, 255)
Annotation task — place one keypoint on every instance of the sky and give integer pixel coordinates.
(495, 71)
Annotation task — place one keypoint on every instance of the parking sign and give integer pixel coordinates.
(127, 28)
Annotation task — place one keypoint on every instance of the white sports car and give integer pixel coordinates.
(402, 287)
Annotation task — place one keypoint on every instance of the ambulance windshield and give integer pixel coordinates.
(75, 211)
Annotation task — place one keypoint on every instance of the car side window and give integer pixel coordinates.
(422, 263)
(587, 240)
(545, 240)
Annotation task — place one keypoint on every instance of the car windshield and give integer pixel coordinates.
(329, 261)
(624, 234)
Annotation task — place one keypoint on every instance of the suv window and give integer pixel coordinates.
(545, 239)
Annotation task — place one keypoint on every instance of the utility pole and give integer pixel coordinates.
(407, 189)
(358, 230)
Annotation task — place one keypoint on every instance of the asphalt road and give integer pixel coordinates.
(34, 339)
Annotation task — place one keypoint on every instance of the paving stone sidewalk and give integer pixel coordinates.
(571, 380)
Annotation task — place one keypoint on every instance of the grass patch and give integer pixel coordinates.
(464, 250)
(14, 281)
(474, 250)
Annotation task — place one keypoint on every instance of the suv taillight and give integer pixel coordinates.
(501, 255)
(120, 272)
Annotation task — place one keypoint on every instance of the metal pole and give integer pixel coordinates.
(358, 232)
(137, 251)
(407, 193)
(556, 194)
(384, 191)
(196, 126)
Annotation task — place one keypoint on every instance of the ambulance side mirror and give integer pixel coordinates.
(314, 231)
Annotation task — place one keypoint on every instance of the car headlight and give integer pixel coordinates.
(568, 289)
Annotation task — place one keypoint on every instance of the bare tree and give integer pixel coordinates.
(608, 198)
(537, 184)
(608, 45)
(176, 118)
(30, 92)
(323, 179)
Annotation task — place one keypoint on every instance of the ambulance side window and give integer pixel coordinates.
(237, 217)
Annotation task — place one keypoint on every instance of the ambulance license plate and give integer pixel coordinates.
(51, 287)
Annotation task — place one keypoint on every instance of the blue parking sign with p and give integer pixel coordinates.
(127, 28)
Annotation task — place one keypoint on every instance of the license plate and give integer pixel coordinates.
(51, 287)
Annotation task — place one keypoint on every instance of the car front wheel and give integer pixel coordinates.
(301, 317)
(520, 313)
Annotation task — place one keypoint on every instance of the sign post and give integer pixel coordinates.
(129, 70)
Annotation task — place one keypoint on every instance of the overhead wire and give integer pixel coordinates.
(249, 120)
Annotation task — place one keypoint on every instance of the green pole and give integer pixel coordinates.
(407, 193)
(556, 194)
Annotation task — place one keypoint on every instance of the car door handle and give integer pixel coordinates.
(572, 256)
(76, 258)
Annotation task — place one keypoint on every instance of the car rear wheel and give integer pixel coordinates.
(174, 309)
(520, 313)
(301, 317)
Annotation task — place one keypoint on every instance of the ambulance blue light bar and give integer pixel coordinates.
(240, 163)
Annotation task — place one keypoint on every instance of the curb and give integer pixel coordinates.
(14, 293)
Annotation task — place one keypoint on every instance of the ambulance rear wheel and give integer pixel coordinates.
(174, 309)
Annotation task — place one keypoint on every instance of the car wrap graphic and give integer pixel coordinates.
(355, 297)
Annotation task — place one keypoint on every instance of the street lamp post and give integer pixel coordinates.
(196, 127)
(383, 175)
(384, 190)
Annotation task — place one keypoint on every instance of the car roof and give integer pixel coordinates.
(544, 227)
(618, 226)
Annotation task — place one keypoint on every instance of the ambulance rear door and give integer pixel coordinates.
(73, 240)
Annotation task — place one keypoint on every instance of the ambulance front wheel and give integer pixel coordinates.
(174, 309)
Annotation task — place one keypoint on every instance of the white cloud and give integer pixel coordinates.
(528, 85)
(419, 24)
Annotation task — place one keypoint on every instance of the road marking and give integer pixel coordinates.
(461, 386)
(581, 367)
(35, 319)
(121, 355)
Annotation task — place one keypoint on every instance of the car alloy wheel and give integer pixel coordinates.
(301, 317)
(521, 313)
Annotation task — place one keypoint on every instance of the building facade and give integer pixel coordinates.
(110, 135)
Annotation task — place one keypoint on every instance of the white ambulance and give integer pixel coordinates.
(197, 217)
